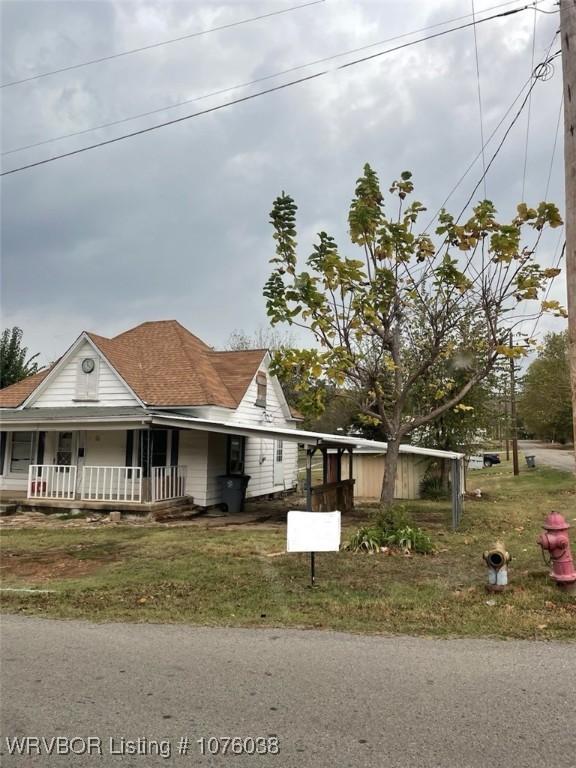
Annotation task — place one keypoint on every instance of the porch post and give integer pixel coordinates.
(456, 493)
(350, 463)
(324, 465)
(309, 454)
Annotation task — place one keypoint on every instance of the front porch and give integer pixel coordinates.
(128, 485)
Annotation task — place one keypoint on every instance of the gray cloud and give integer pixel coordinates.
(175, 223)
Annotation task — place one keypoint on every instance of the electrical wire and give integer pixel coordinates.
(528, 115)
(480, 98)
(554, 147)
(248, 83)
(267, 91)
(532, 79)
(535, 79)
(556, 265)
(142, 48)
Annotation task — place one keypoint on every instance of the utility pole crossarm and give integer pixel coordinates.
(568, 40)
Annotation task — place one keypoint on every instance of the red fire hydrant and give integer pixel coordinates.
(557, 541)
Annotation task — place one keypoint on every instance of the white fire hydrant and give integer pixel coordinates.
(497, 560)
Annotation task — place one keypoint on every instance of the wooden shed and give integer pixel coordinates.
(368, 470)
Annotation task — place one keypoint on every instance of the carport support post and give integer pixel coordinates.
(309, 454)
(456, 493)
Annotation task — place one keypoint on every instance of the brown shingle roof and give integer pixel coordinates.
(15, 394)
(166, 365)
(237, 369)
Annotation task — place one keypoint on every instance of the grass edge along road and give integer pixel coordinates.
(241, 575)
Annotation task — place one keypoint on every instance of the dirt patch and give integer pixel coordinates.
(81, 560)
(47, 567)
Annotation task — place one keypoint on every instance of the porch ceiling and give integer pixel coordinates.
(84, 417)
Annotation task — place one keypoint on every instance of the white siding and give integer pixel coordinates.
(61, 391)
(259, 465)
(259, 462)
(250, 413)
(217, 446)
(193, 454)
(105, 449)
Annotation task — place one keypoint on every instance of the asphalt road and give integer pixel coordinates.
(556, 458)
(331, 699)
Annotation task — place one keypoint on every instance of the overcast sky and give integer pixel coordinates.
(174, 224)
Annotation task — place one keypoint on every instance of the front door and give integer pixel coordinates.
(64, 449)
(278, 463)
(65, 458)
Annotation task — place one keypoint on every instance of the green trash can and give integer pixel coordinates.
(531, 461)
(233, 491)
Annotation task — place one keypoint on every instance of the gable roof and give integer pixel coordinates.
(165, 365)
(237, 369)
(15, 394)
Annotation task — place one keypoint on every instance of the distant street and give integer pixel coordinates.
(330, 699)
(557, 458)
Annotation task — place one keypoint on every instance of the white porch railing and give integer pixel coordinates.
(51, 481)
(111, 484)
(168, 483)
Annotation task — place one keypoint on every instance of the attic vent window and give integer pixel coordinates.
(261, 386)
(87, 379)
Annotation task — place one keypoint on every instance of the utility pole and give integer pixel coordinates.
(568, 41)
(513, 422)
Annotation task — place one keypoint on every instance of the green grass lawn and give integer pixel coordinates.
(240, 575)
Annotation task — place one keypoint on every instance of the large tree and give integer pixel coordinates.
(545, 403)
(390, 321)
(15, 364)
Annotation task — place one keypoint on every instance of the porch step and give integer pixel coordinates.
(132, 508)
(175, 513)
(7, 508)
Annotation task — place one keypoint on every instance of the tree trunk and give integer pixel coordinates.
(390, 465)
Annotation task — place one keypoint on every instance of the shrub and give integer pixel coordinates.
(431, 487)
(392, 528)
(365, 540)
(413, 539)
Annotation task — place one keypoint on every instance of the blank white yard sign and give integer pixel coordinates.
(313, 531)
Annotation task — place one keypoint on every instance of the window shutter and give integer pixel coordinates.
(3, 436)
(41, 444)
(129, 459)
(174, 448)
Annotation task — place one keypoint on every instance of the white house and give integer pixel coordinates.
(151, 415)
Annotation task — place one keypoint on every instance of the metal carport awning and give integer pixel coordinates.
(300, 436)
(321, 440)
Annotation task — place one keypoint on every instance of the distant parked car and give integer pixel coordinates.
(491, 458)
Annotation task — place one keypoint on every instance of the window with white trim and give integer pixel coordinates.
(279, 451)
(21, 451)
(261, 388)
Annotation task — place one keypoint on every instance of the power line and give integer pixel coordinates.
(554, 147)
(249, 97)
(528, 115)
(111, 56)
(479, 99)
(548, 60)
(478, 155)
(560, 257)
(533, 78)
(255, 81)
